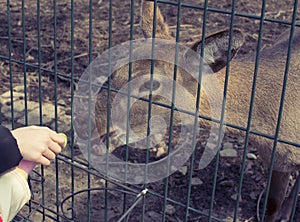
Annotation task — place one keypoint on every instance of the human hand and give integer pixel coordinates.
(38, 144)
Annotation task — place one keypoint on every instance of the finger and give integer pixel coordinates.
(54, 147)
(49, 154)
(61, 140)
(44, 161)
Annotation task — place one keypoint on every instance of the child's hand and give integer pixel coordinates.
(38, 144)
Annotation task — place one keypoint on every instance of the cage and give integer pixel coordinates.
(58, 63)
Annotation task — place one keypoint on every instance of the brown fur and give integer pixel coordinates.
(267, 97)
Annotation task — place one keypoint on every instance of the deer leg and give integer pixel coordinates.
(277, 194)
(288, 204)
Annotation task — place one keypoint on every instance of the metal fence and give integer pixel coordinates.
(44, 63)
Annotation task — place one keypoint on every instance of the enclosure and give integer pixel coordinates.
(46, 48)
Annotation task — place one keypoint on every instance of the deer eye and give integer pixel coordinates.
(146, 86)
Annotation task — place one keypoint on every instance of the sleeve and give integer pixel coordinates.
(10, 155)
(14, 193)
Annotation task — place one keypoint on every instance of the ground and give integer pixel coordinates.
(61, 179)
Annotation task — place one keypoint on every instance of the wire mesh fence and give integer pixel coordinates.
(143, 146)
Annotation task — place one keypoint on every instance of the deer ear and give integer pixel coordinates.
(147, 14)
(216, 48)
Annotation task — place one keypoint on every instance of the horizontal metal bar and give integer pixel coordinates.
(85, 167)
(228, 12)
(24, 63)
(162, 104)
(205, 117)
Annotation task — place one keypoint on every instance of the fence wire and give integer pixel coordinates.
(74, 176)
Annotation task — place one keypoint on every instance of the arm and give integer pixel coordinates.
(10, 155)
(36, 145)
(32, 143)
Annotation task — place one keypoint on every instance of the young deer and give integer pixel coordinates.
(266, 104)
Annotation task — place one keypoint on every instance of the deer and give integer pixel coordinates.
(266, 104)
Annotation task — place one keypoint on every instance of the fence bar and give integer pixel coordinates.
(223, 109)
(72, 107)
(263, 8)
(296, 198)
(55, 103)
(281, 105)
(10, 65)
(177, 38)
(89, 108)
(198, 100)
(128, 100)
(14, 61)
(40, 88)
(150, 102)
(228, 12)
(108, 102)
(24, 62)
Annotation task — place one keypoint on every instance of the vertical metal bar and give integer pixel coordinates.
(40, 92)
(150, 104)
(172, 107)
(0, 115)
(55, 105)
(72, 107)
(198, 100)
(10, 66)
(39, 61)
(108, 106)
(223, 109)
(55, 63)
(25, 76)
(286, 72)
(258, 48)
(297, 184)
(128, 98)
(89, 103)
(24, 62)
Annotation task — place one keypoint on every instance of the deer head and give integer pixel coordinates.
(161, 82)
(157, 56)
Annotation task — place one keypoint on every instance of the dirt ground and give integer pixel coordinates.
(61, 179)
